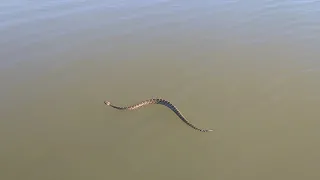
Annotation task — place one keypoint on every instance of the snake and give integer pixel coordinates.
(161, 102)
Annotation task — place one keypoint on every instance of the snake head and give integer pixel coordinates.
(107, 103)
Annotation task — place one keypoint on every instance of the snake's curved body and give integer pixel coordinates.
(162, 102)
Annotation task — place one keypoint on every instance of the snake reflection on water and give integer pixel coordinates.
(161, 102)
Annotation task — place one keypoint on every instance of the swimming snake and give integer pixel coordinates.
(161, 102)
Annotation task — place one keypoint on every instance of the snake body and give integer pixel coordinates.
(161, 102)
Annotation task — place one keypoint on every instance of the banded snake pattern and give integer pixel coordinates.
(161, 102)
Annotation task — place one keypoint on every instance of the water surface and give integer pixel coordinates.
(250, 70)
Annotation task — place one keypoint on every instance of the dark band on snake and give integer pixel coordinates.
(161, 102)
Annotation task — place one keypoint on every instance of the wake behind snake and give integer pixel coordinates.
(161, 102)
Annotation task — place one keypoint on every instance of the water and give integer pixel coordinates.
(250, 70)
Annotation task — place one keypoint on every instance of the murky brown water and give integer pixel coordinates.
(249, 70)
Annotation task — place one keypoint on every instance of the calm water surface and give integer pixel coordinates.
(250, 70)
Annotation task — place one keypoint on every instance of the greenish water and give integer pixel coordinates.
(248, 70)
